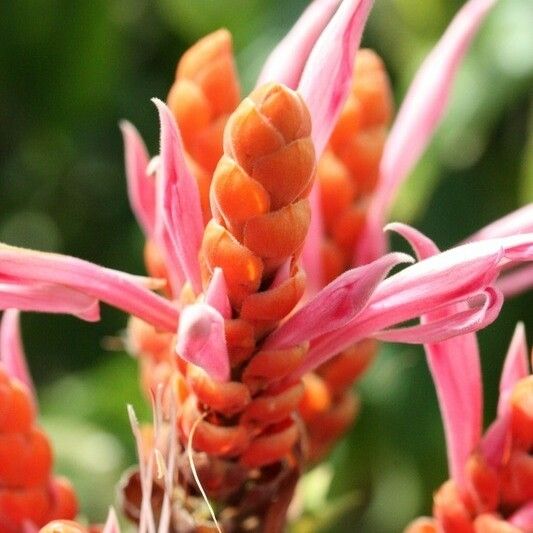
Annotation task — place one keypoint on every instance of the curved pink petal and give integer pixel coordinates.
(450, 278)
(48, 298)
(141, 186)
(115, 288)
(286, 62)
(516, 281)
(454, 363)
(481, 311)
(12, 351)
(519, 221)
(515, 368)
(336, 305)
(201, 340)
(523, 517)
(417, 119)
(111, 525)
(327, 76)
(181, 212)
(216, 294)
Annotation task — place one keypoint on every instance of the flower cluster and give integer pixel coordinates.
(270, 286)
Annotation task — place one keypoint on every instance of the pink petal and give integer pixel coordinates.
(120, 290)
(417, 120)
(141, 186)
(516, 281)
(216, 294)
(523, 518)
(327, 76)
(11, 350)
(111, 524)
(515, 368)
(454, 364)
(286, 62)
(181, 211)
(496, 441)
(334, 306)
(48, 298)
(201, 340)
(519, 221)
(311, 254)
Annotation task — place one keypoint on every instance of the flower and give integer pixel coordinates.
(491, 475)
(30, 495)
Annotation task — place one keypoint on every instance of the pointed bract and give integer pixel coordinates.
(111, 525)
(519, 221)
(216, 294)
(141, 186)
(181, 211)
(286, 62)
(515, 368)
(201, 340)
(418, 117)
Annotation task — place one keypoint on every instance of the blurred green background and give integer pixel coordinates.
(70, 71)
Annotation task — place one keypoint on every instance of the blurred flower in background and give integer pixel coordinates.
(70, 72)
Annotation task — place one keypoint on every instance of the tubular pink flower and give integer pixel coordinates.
(327, 75)
(457, 380)
(201, 340)
(324, 85)
(11, 350)
(129, 293)
(286, 62)
(49, 298)
(454, 286)
(419, 115)
(141, 186)
(181, 211)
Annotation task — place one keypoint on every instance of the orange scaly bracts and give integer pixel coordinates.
(205, 92)
(347, 174)
(27, 490)
(259, 188)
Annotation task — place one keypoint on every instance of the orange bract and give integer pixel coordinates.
(28, 492)
(205, 92)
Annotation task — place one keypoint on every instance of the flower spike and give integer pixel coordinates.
(124, 291)
(419, 115)
(286, 62)
(181, 211)
(141, 186)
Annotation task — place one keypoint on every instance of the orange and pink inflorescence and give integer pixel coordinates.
(249, 352)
